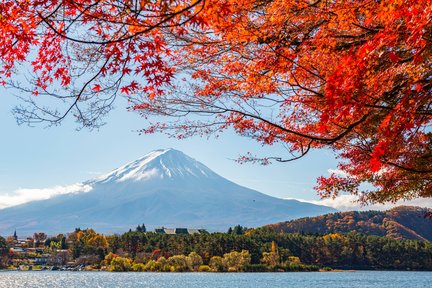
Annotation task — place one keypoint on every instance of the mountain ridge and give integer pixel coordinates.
(402, 222)
(136, 170)
(163, 188)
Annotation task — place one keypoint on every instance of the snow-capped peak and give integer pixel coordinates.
(164, 163)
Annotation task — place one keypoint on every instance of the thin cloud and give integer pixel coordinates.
(24, 195)
(349, 203)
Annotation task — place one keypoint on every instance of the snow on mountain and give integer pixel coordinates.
(167, 163)
(163, 188)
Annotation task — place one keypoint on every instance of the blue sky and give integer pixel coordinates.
(38, 157)
(34, 161)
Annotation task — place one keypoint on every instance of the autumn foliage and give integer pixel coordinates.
(403, 222)
(353, 76)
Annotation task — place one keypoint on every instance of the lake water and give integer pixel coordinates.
(361, 279)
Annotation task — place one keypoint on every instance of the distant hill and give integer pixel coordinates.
(163, 188)
(403, 222)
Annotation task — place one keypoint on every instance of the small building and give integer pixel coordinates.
(180, 231)
(17, 249)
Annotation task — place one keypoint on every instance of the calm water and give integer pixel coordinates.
(362, 279)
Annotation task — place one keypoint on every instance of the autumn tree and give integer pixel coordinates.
(87, 243)
(195, 261)
(39, 238)
(4, 259)
(236, 261)
(352, 76)
(216, 264)
(271, 258)
(120, 264)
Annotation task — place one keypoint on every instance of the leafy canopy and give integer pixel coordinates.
(353, 76)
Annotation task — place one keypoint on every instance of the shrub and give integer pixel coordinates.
(256, 268)
(152, 266)
(138, 267)
(179, 263)
(120, 264)
(216, 264)
(204, 268)
(294, 259)
(195, 261)
(236, 261)
(163, 265)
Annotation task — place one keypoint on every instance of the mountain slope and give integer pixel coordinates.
(403, 222)
(163, 188)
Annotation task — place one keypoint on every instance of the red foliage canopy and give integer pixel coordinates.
(353, 76)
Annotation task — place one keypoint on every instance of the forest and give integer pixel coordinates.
(240, 249)
(403, 222)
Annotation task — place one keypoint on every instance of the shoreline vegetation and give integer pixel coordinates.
(238, 250)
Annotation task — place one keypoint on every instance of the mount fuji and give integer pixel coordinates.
(163, 188)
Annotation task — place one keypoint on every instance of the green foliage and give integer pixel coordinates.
(141, 228)
(237, 230)
(299, 267)
(350, 251)
(57, 242)
(219, 252)
(256, 268)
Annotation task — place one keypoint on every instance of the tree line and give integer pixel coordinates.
(260, 249)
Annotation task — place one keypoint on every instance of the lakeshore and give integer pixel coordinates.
(363, 279)
(239, 250)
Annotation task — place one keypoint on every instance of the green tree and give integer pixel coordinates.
(141, 228)
(238, 230)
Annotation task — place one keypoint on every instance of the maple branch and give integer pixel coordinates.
(409, 169)
(213, 108)
(374, 30)
(303, 153)
(24, 116)
(328, 141)
(123, 37)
